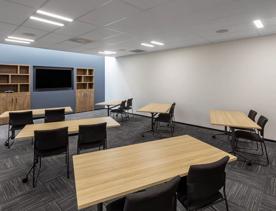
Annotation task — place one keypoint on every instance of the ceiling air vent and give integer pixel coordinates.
(137, 51)
(80, 40)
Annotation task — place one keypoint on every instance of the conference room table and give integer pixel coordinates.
(37, 113)
(27, 132)
(232, 120)
(154, 109)
(106, 175)
(109, 105)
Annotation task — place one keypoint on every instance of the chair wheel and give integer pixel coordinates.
(214, 136)
(25, 180)
(143, 135)
(6, 144)
(249, 163)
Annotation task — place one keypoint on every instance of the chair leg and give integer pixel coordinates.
(67, 163)
(225, 199)
(267, 159)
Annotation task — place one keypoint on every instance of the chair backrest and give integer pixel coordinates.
(172, 110)
(92, 133)
(20, 118)
(205, 180)
(123, 105)
(129, 103)
(55, 115)
(159, 198)
(51, 139)
(252, 115)
(262, 122)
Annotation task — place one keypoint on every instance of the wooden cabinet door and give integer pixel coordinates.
(84, 100)
(21, 101)
(13, 102)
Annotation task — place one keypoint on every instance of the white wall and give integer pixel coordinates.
(237, 75)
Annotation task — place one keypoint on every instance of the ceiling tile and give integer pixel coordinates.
(76, 28)
(146, 4)
(100, 34)
(6, 29)
(28, 32)
(14, 13)
(114, 11)
(72, 8)
(30, 3)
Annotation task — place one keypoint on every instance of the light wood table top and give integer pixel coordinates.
(73, 126)
(113, 173)
(37, 112)
(234, 119)
(156, 108)
(110, 103)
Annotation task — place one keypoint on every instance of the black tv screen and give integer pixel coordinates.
(49, 78)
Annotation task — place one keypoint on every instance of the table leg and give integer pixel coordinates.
(100, 207)
(108, 110)
(152, 125)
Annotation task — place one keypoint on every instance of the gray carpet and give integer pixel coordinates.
(248, 187)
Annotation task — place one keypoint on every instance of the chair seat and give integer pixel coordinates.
(198, 204)
(163, 118)
(91, 145)
(247, 135)
(17, 127)
(50, 152)
(117, 110)
(117, 205)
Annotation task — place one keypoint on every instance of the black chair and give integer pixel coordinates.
(17, 121)
(120, 110)
(201, 188)
(54, 115)
(48, 143)
(129, 105)
(252, 115)
(257, 137)
(167, 119)
(91, 136)
(159, 198)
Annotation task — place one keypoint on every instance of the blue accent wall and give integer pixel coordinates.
(12, 54)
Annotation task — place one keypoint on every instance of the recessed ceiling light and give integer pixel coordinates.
(54, 15)
(259, 24)
(147, 45)
(46, 21)
(17, 41)
(107, 52)
(157, 43)
(20, 38)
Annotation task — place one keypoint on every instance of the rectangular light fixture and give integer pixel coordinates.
(54, 15)
(46, 21)
(107, 52)
(259, 24)
(17, 41)
(20, 38)
(157, 43)
(147, 45)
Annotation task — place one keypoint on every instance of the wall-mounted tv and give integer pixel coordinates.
(53, 78)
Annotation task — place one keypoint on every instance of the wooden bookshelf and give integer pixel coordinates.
(85, 89)
(85, 78)
(14, 88)
(14, 78)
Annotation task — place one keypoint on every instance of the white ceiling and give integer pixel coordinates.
(121, 25)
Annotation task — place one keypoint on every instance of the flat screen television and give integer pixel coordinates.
(53, 78)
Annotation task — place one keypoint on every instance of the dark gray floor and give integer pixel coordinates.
(248, 187)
